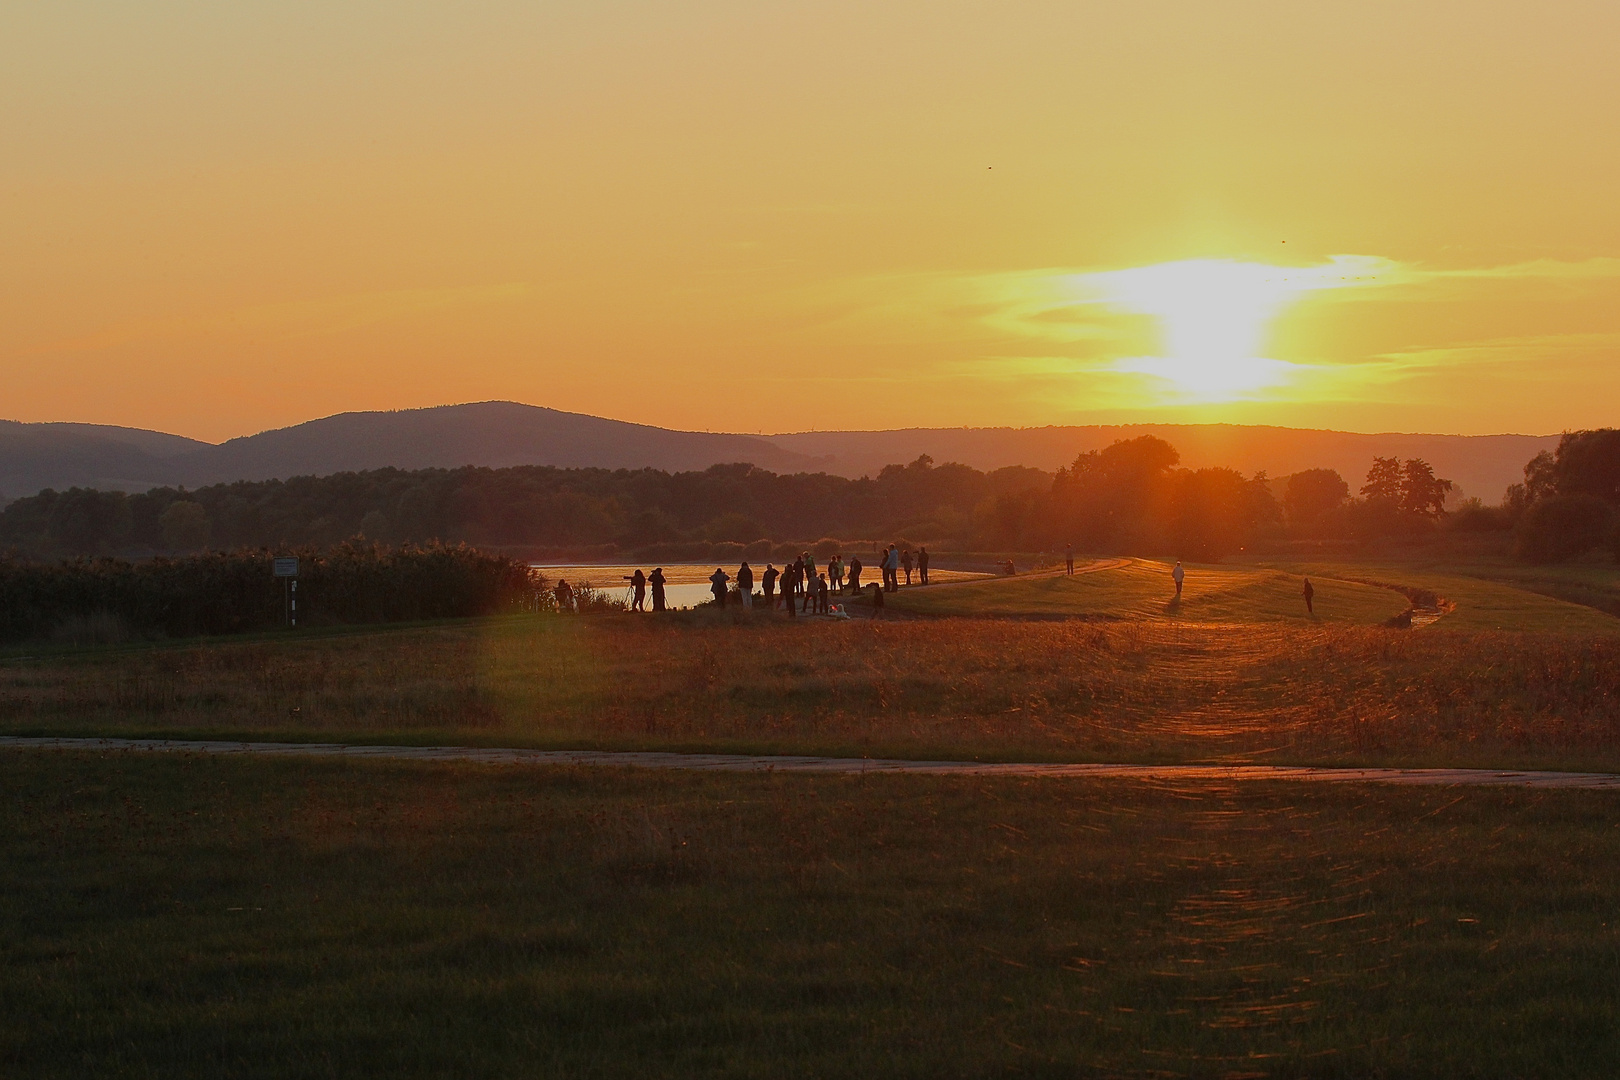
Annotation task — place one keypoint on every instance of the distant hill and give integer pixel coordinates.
(1482, 465)
(492, 433)
(38, 456)
(503, 433)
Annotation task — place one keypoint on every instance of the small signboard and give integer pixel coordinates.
(287, 567)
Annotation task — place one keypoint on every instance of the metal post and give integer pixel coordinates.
(294, 608)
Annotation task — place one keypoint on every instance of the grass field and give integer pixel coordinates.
(1479, 596)
(233, 918)
(1142, 589)
(1155, 690)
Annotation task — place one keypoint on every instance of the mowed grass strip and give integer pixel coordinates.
(230, 918)
(1142, 589)
(949, 688)
(1478, 601)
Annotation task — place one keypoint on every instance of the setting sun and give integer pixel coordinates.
(1213, 315)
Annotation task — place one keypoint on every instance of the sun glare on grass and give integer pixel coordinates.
(1214, 314)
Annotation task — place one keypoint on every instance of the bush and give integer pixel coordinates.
(223, 593)
(1559, 528)
(1473, 516)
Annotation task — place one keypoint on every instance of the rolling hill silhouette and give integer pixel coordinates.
(503, 433)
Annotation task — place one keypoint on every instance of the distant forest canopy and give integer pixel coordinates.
(1129, 497)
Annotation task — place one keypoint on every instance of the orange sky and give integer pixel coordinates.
(219, 218)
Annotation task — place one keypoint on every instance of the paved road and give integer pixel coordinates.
(847, 766)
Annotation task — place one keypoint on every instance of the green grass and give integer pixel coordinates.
(1142, 589)
(1486, 596)
(1481, 602)
(210, 917)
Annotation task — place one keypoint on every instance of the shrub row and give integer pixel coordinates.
(234, 592)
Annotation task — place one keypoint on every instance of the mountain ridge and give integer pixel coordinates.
(503, 433)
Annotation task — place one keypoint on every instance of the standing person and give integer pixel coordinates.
(855, 576)
(638, 589)
(891, 568)
(656, 580)
(835, 572)
(789, 584)
(922, 564)
(822, 607)
(877, 598)
(767, 581)
(905, 561)
(1178, 575)
(810, 572)
(1310, 594)
(745, 586)
(565, 596)
(717, 585)
(798, 575)
(1068, 559)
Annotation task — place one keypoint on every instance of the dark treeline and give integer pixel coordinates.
(1130, 497)
(105, 599)
(522, 507)
(1569, 502)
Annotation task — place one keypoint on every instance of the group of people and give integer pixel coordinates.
(799, 587)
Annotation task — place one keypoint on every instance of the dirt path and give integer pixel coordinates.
(845, 766)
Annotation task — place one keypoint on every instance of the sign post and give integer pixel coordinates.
(287, 570)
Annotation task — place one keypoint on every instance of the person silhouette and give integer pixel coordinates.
(1178, 575)
(638, 589)
(656, 580)
(717, 585)
(1068, 558)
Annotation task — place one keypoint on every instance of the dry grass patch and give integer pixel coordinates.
(937, 688)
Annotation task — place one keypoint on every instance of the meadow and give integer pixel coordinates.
(250, 918)
(1150, 689)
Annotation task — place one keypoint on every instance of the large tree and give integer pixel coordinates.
(1312, 493)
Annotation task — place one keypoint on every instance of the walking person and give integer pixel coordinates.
(1178, 575)
(745, 586)
(1310, 595)
(638, 591)
(717, 585)
(1068, 559)
(767, 581)
(922, 564)
(905, 561)
(855, 575)
(656, 580)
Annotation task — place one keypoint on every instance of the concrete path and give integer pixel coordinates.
(845, 766)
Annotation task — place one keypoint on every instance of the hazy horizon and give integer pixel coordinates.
(764, 434)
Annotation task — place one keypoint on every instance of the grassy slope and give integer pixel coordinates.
(236, 918)
(1482, 602)
(1142, 589)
